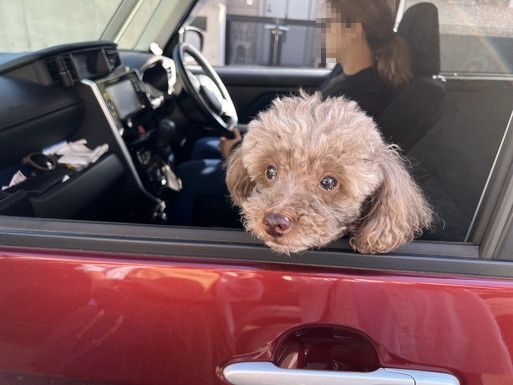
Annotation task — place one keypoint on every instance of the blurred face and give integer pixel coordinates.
(341, 33)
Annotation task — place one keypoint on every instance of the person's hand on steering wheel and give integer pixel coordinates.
(226, 145)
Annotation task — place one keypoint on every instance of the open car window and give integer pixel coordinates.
(475, 40)
(475, 36)
(451, 121)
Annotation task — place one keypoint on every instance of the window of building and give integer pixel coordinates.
(280, 33)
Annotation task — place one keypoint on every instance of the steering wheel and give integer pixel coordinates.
(206, 89)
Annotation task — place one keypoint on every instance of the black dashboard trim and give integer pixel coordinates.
(22, 101)
(16, 124)
(32, 57)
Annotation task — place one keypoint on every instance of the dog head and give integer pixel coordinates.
(309, 171)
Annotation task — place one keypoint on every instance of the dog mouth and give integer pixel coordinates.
(295, 240)
(279, 239)
(287, 232)
(283, 243)
(281, 246)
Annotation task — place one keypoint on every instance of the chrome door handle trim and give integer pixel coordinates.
(266, 373)
(423, 377)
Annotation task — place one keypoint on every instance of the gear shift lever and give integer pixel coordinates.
(166, 132)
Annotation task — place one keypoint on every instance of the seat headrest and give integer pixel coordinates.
(420, 28)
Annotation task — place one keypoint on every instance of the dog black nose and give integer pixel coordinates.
(276, 225)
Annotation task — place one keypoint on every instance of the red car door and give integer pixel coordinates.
(129, 309)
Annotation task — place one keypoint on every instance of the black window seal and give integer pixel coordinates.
(232, 246)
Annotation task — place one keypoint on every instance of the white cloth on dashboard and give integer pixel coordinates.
(76, 154)
(16, 179)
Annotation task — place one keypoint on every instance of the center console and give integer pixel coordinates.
(132, 120)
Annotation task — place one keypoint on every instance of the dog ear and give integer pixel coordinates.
(237, 178)
(396, 213)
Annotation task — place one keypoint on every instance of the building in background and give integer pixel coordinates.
(261, 32)
(475, 34)
(284, 33)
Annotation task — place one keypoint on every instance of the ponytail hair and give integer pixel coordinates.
(392, 53)
(393, 62)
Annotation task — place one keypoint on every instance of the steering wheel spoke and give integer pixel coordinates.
(206, 89)
(194, 81)
(228, 111)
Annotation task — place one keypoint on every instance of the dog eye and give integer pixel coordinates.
(328, 183)
(271, 172)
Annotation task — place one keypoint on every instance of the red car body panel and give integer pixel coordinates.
(143, 321)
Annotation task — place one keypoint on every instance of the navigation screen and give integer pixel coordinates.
(125, 98)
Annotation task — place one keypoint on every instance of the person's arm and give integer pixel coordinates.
(226, 145)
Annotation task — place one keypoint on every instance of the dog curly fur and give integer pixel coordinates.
(376, 202)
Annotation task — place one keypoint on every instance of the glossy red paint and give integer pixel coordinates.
(138, 321)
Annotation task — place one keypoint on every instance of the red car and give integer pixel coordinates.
(97, 286)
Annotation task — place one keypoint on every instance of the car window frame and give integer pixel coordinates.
(122, 240)
(492, 225)
(193, 243)
(125, 239)
(162, 242)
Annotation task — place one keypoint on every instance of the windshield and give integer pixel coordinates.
(29, 25)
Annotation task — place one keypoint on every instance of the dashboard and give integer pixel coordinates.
(68, 65)
(70, 68)
(91, 91)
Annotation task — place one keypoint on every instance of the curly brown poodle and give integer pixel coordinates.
(310, 171)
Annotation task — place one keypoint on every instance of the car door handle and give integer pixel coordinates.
(266, 373)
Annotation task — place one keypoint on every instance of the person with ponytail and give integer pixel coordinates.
(372, 60)
(372, 63)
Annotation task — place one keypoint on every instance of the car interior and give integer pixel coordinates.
(151, 107)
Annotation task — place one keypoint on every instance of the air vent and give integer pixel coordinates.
(61, 70)
(53, 69)
(113, 58)
(68, 63)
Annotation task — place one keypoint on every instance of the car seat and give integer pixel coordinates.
(413, 113)
(415, 108)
